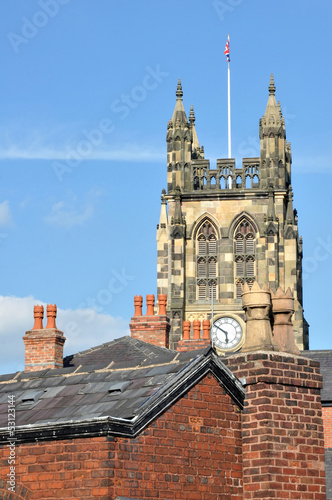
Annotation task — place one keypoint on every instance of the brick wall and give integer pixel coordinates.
(192, 344)
(152, 329)
(327, 418)
(71, 469)
(191, 452)
(283, 437)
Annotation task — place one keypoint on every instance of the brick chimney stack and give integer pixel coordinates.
(152, 328)
(282, 424)
(44, 346)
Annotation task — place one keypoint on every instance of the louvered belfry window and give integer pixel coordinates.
(244, 256)
(206, 248)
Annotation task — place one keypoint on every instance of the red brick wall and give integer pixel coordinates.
(152, 329)
(327, 418)
(191, 452)
(192, 344)
(69, 469)
(283, 437)
(43, 349)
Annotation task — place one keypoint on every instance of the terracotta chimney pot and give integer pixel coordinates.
(38, 314)
(186, 330)
(150, 305)
(51, 315)
(206, 329)
(138, 303)
(162, 300)
(197, 329)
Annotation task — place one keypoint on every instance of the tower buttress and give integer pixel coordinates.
(162, 248)
(182, 144)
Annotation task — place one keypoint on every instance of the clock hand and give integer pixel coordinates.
(224, 331)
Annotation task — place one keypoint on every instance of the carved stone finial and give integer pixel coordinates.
(283, 310)
(279, 109)
(257, 305)
(163, 194)
(272, 87)
(192, 115)
(179, 92)
(38, 314)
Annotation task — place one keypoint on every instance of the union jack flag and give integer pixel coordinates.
(226, 52)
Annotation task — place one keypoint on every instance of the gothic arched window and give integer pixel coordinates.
(244, 256)
(206, 253)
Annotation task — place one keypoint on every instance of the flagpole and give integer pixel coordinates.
(229, 109)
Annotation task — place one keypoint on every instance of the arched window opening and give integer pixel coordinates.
(255, 181)
(201, 268)
(212, 244)
(248, 182)
(196, 183)
(201, 245)
(239, 284)
(244, 256)
(212, 268)
(201, 290)
(222, 182)
(213, 182)
(212, 289)
(239, 181)
(206, 253)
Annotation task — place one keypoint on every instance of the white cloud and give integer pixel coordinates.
(126, 152)
(72, 212)
(65, 216)
(5, 214)
(320, 164)
(83, 328)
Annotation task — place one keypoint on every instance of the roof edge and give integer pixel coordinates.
(154, 406)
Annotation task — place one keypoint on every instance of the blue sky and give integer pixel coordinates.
(86, 91)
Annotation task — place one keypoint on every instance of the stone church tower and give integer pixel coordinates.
(224, 225)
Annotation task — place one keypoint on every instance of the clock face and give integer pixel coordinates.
(226, 333)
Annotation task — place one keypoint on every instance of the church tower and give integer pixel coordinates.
(223, 225)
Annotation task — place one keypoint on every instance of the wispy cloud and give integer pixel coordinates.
(126, 152)
(5, 214)
(64, 215)
(16, 317)
(313, 164)
(72, 212)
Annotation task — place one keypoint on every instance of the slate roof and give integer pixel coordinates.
(114, 388)
(325, 360)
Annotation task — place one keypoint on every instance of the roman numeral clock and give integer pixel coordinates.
(227, 334)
